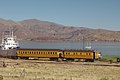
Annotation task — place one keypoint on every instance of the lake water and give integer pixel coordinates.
(106, 48)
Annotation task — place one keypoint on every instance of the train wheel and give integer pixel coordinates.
(118, 59)
(53, 59)
(89, 60)
(92, 60)
(70, 59)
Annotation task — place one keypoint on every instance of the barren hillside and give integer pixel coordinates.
(36, 30)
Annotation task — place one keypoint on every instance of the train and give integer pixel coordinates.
(53, 54)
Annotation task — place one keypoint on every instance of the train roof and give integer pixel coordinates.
(79, 50)
(40, 49)
(73, 50)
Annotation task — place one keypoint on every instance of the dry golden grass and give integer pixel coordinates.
(37, 71)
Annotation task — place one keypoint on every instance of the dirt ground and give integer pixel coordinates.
(19, 70)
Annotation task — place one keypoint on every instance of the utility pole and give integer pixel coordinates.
(83, 43)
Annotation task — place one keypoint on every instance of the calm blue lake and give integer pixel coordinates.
(106, 48)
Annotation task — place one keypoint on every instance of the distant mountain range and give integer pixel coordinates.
(36, 30)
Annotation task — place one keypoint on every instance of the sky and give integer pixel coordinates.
(96, 14)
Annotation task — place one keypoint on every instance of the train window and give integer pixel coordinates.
(89, 53)
(51, 53)
(76, 53)
(55, 52)
(68, 53)
(73, 53)
(81, 53)
(37, 52)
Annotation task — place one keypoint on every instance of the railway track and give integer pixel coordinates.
(78, 63)
(17, 62)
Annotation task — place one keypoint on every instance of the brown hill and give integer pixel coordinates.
(37, 30)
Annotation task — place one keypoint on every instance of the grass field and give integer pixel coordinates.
(37, 71)
(107, 58)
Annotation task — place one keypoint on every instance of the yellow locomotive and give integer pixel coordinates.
(55, 54)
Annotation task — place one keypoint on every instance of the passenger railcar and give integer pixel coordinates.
(40, 53)
(87, 55)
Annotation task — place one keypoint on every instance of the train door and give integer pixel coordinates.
(93, 55)
(60, 55)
